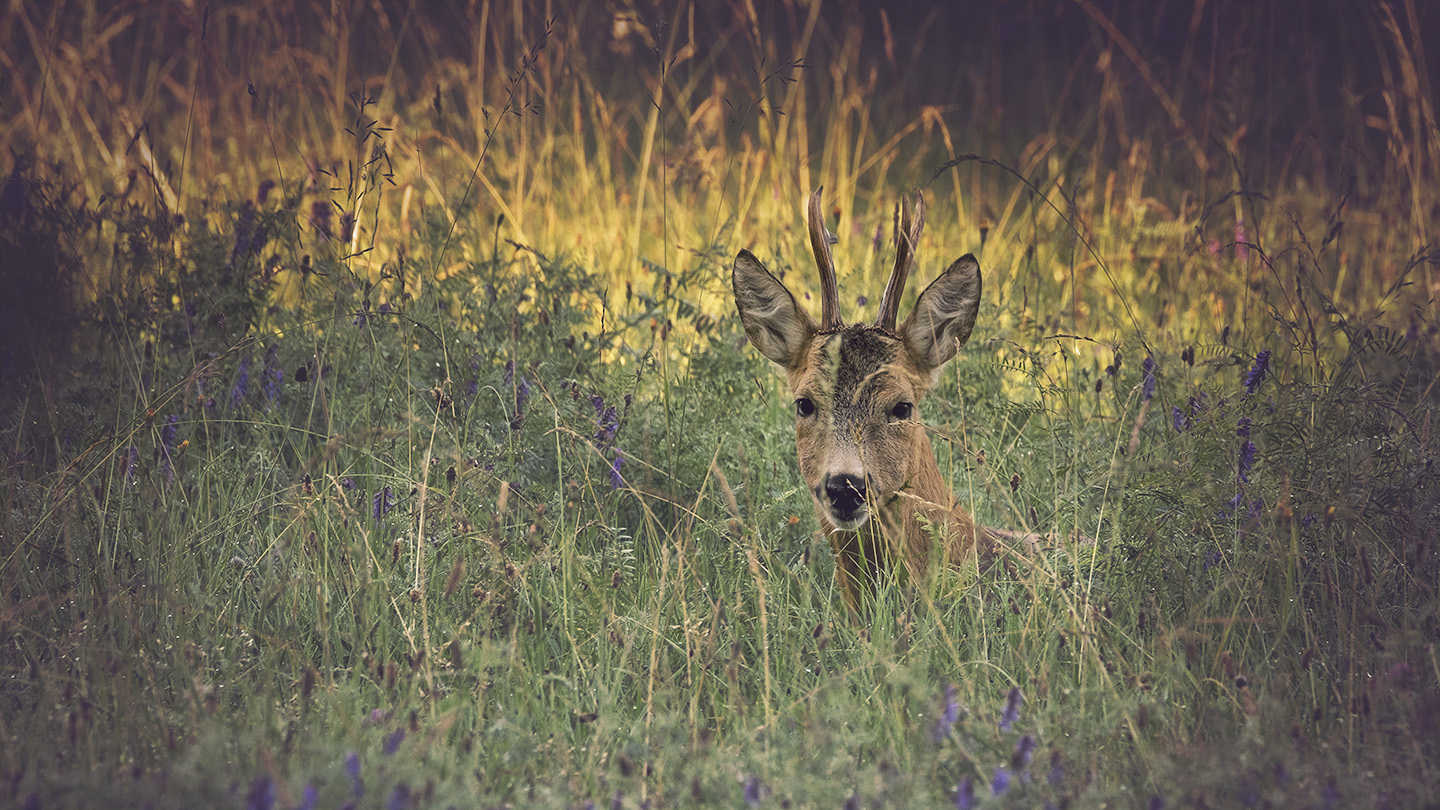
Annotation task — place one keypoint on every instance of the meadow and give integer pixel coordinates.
(379, 431)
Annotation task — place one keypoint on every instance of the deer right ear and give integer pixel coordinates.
(944, 315)
(777, 326)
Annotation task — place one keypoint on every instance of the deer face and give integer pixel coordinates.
(856, 388)
(857, 429)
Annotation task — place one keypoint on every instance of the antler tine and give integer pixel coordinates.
(907, 238)
(820, 240)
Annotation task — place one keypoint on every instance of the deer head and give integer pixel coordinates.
(861, 444)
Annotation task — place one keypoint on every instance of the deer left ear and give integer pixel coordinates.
(944, 315)
(777, 326)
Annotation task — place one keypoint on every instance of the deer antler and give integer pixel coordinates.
(907, 237)
(820, 240)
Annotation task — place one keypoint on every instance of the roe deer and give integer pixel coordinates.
(864, 453)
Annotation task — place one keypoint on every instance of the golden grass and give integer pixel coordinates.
(645, 143)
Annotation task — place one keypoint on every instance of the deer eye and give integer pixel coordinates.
(804, 406)
(903, 410)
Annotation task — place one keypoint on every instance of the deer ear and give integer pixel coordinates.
(775, 324)
(944, 314)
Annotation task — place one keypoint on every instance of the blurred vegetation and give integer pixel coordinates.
(378, 429)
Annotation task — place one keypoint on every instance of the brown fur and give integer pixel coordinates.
(852, 385)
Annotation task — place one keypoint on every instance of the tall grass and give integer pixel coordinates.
(380, 430)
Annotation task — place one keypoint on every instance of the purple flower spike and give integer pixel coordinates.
(949, 714)
(382, 503)
(392, 742)
(607, 422)
(242, 383)
(399, 797)
(1148, 390)
(352, 767)
(1256, 375)
(1024, 750)
(965, 794)
(1001, 782)
(262, 794)
(753, 788)
(522, 393)
(1013, 702)
(1056, 775)
(616, 479)
(1247, 461)
(1178, 420)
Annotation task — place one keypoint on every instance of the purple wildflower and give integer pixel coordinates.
(1256, 375)
(965, 794)
(1178, 420)
(1024, 750)
(1013, 702)
(617, 802)
(242, 383)
(1241, 252)
(1148, 389)
(949, 714)
(1242, 427)
(347, 483)
(1157, 802)
(1257, 507)
(263, 193)
(509, 373)
(382, 503)
(1247, 461)
(522, 394)
(261, 795)
(392, 742)
(1212, 559)
(607, 422)
(616, 479)
(310, 799)
(1001, 782)
(1199, 404)
(753, 788)
(399, 797)
(1056, 774)
(352, 767)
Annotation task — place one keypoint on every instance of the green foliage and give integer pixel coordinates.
(438, 472)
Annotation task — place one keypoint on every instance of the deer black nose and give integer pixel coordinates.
(846, 493)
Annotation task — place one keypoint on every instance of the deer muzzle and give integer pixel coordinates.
(845, 495)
